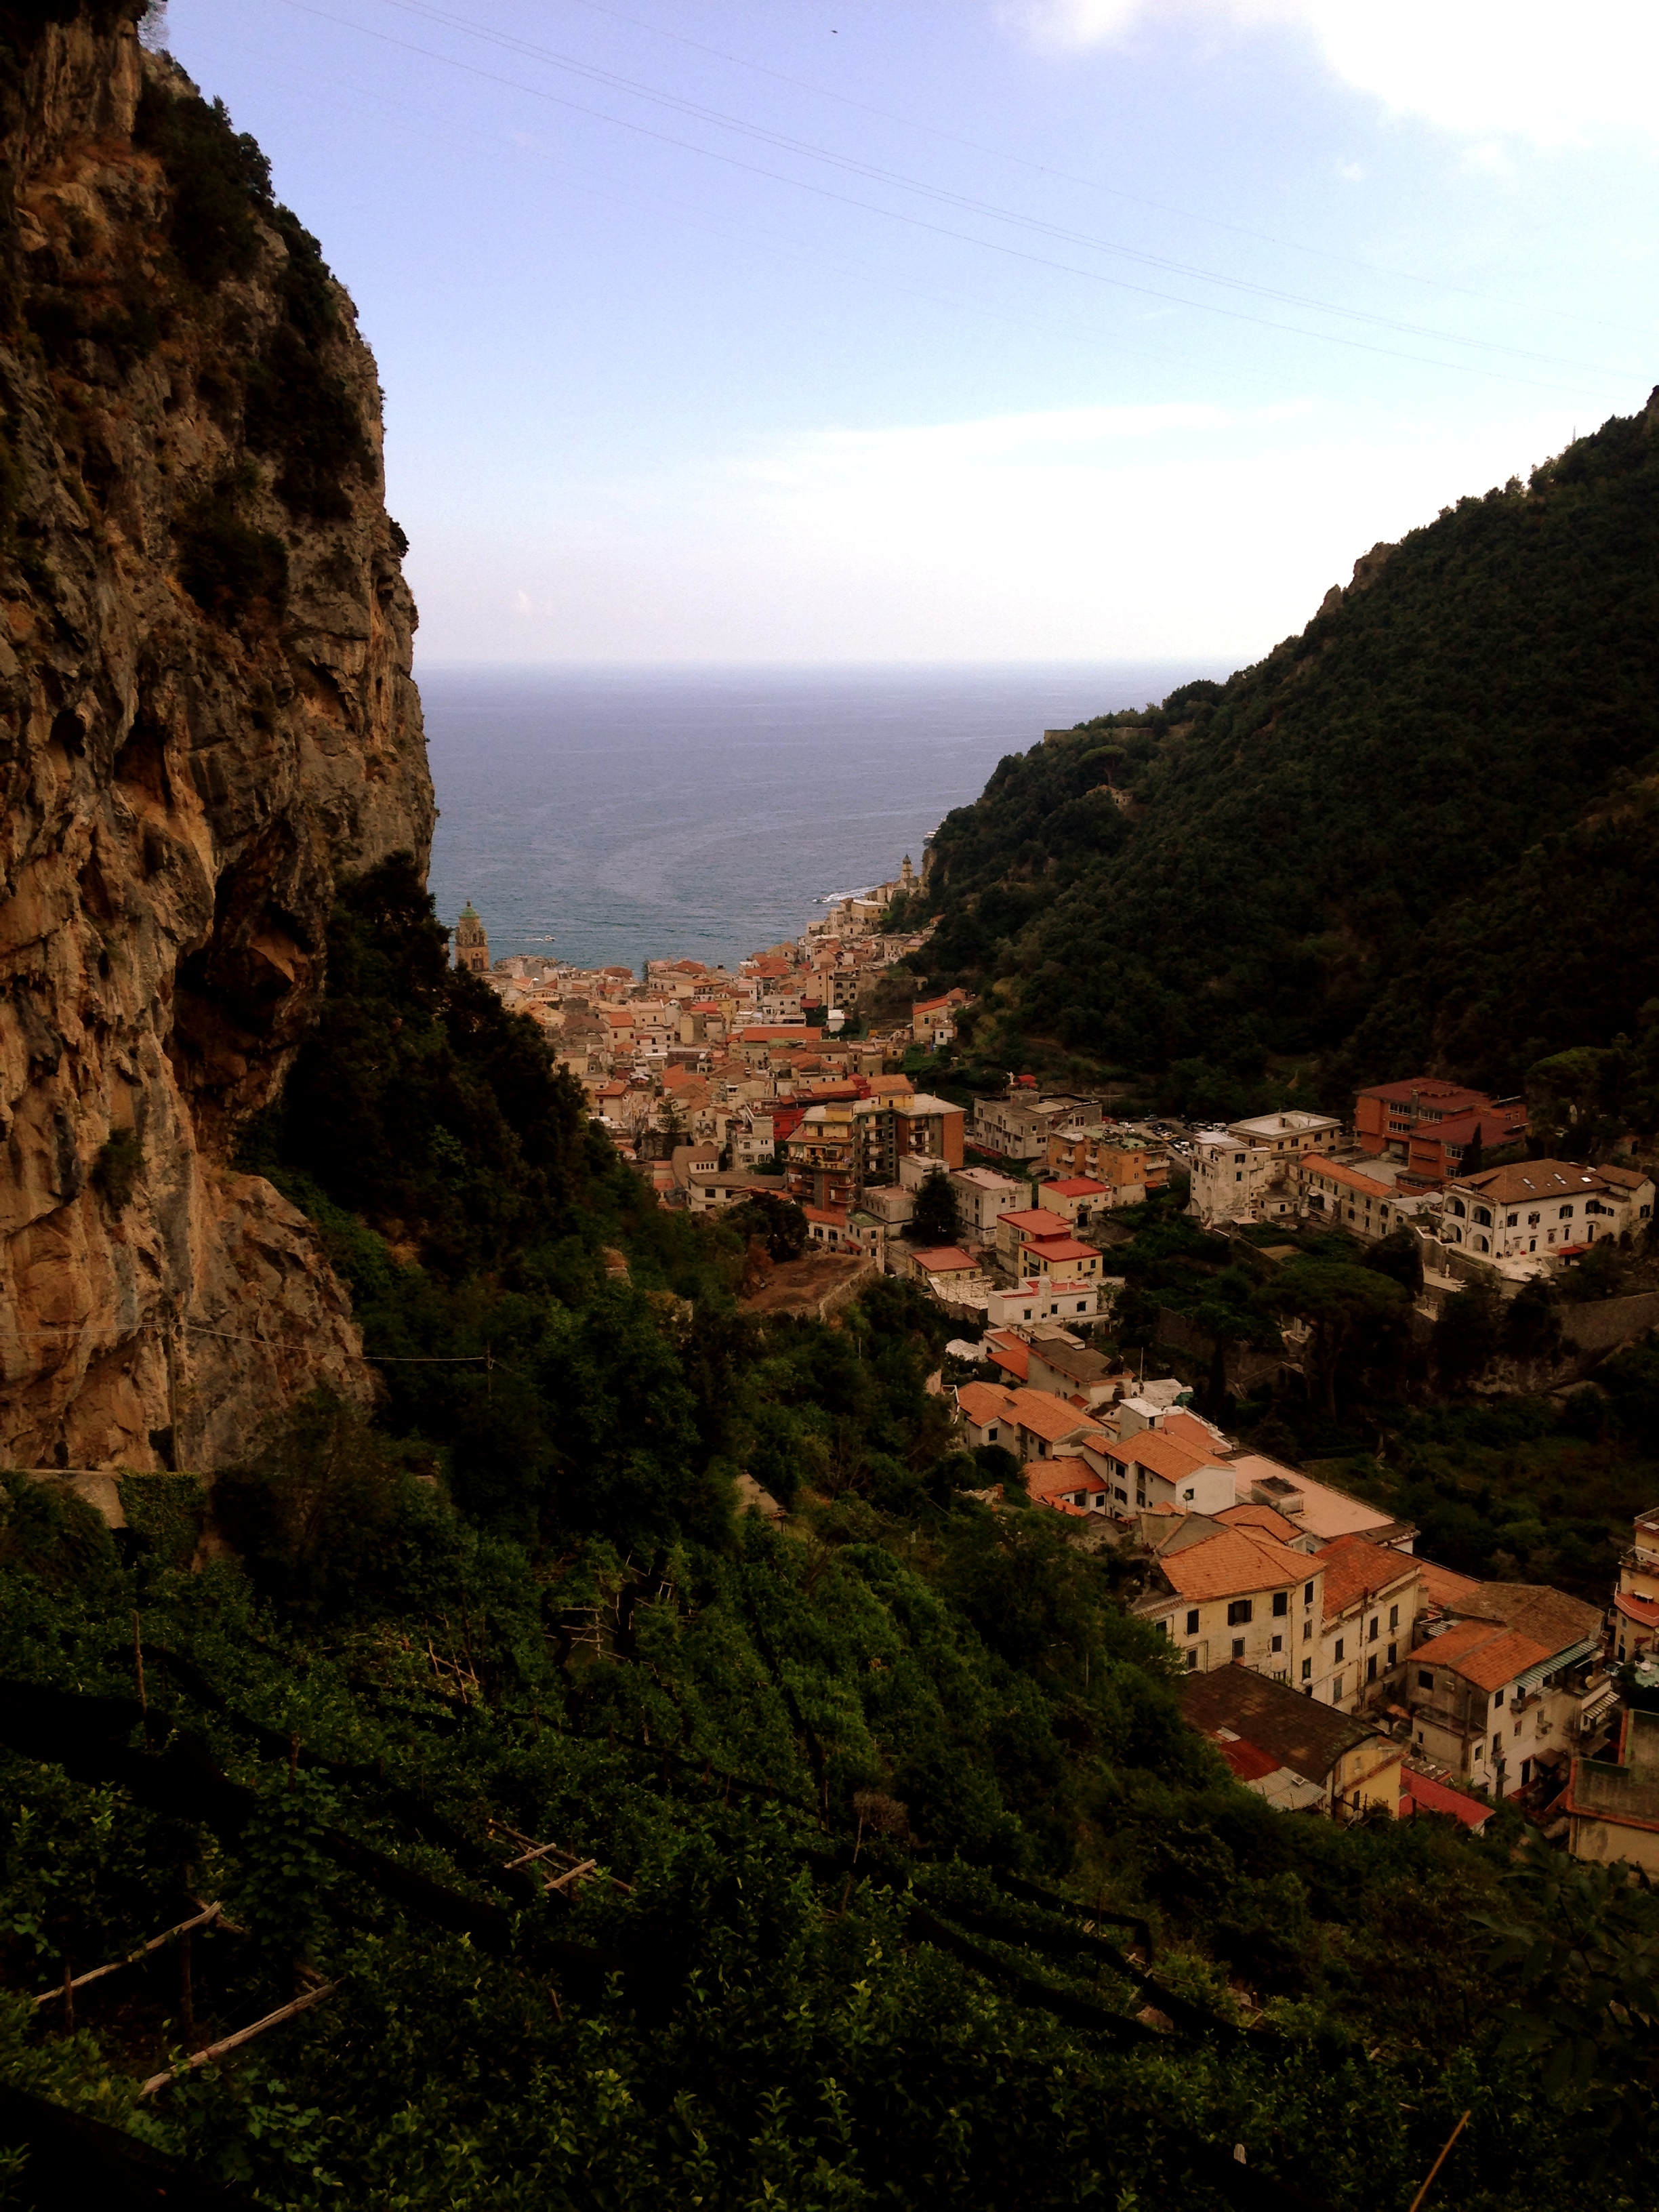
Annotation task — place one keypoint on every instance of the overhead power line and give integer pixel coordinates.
(944, 230)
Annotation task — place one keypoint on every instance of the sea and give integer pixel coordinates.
(609, 816)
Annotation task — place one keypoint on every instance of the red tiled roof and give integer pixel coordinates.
(1482, 1653)
(1443, 1587)
(1046, 1475)
(1161, 1454)
(1316, 1165)
(946, 1259)
(1433, 1090)
(1354, 1566)
(1014, 1358)
(1078, 1187)
(1035, 1221)
(1051, 1248)
(984, 1402)
(1420, 1793)
(1233, 1562)
(1052, 1418)
(1643, 1611)
(826, 1213)
(1247, 1761)
(1259, 1516)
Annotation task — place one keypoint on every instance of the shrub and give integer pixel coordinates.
(115, 1171)
(220, 180)
(234, 571)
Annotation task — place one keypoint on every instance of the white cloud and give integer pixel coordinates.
(1086, 533)
(1528, 69)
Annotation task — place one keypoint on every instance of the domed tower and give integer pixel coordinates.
(471, 945)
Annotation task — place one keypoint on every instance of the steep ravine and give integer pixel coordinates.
(206, 716)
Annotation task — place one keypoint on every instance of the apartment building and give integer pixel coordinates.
(1550, 1210)
(1252, 1169)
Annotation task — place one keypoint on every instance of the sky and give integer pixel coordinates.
(806, 331)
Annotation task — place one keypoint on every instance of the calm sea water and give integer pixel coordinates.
(615, 815)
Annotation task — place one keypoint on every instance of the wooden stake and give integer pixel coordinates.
(204, 1914)
(1445, 2154)
(243, 2035)
(68, 1996)
(138, 1668)
(186, 1991)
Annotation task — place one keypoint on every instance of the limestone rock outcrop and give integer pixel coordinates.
(206, 717)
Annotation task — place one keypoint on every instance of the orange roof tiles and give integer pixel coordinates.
(1050, 1249)
(1044, 1475)
(1317, 1166)
(1014, 1360)
(1050, 1417)
(1355, 1567)
(985, 1402)
(1259, 1516)
(1193, 1434)
(1078, 1187)
(1232, 1564)
(1442, 1587)
(1161, 1455)
(1482, 1653)
(946, 1259)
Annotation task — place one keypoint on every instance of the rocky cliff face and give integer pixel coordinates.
(206, 715)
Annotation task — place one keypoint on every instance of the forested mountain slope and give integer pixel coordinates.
(1420, 834)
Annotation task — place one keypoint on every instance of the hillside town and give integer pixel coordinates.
(1332, 1665)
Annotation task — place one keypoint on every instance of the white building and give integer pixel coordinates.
(1251, 1170)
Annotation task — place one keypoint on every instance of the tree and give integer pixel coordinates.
(937, 1219)
(1347, 1310)
(1466, 1335)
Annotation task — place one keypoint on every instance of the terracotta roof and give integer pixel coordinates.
(826, 1213)
(1354, 1566)
(1052, 1418)
(947, 1260)
(1014, 1358)
(1247, 1761)
(1259, 1517)
(1316, 1165)
(1643, 1611)
(1233, 1562)
(1043, 1475)
(1037, 1221)
(1482, 1653)
(1530, 1179)
(1421, 1793)
(1298, 1732)
(1078, 1187)
(1442, 1586)
(1193, 1433)
(1163, 1456)
(1056, 1251)
(985, 1402)
(1433, 1090)
(1624, 1178)
(1549, 1616)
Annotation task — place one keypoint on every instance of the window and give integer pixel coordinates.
(1281, 1604)
(1238, 1612)
(1497, 1746)
(1425, 1678)
(1394, 1617)
(1238, 1647)
(1336, 1690)
(1186, 1497)
(1497, 1699)
(1278, 1644)
(1191, 1622)
(1511, 1221)
(1566, 1213)
(1394, 1654)
(1375, 1624)
(1483, 1215)
(1307, 1593)
(1191, 1662)
(1370, 1669)
(1307, 1670)
(1307, 1632)
(1337, 1654)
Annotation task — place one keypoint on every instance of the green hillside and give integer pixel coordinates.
(906, 1883)
(1421, 834)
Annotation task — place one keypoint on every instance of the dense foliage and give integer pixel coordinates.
(1417, 835)
(897, 1830)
